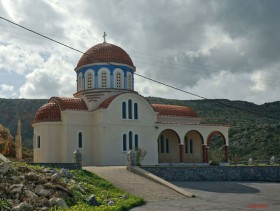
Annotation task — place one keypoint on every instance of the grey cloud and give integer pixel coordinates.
(160, 35)
(166, 28)
(41, 17)
(2, 10)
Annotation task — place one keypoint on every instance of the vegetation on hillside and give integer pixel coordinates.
(26, 109)
(250, 135)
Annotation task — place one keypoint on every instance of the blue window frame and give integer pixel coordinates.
(124, 142)
(129, 109)
(135, 111)
(124, 110)
(136, 141)
(80, 140)
(130, 139)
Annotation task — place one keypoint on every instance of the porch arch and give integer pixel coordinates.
(168, 146)
(193, 147)
(225, 146)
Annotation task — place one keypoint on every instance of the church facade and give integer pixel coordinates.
(106, 118)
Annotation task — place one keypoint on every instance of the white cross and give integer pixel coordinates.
(104, 36)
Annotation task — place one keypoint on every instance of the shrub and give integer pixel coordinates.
(140, 155)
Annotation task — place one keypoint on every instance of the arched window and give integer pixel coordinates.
(104, 80)
(191, 146)
(89, 80)
(135, 111)
(161, 144)
(124, 142)
(80, 82)
(80, 140)
(118, 79)
(129, 81)
(38, 142)
(129, 109)
(136, 141)
(167, 145)
(124, 110)
(130, 137)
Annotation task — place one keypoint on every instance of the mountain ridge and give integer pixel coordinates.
(250, 135)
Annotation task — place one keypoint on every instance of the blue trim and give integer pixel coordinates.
(83, 82)
(125, 81)
(111, 79)
(96, 83)
(111, 68)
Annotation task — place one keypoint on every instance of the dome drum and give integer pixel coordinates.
(105, 76)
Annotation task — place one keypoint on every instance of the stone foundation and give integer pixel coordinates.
(216, 173)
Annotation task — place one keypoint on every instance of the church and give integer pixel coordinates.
(106, 118)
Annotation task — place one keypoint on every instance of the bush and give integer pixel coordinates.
(140, 155)
(216, 156)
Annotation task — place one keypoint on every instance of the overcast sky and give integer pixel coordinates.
(217, 49)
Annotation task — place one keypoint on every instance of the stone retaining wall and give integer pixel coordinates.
(216, 173)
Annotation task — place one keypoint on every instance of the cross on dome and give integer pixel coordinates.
(104, 36)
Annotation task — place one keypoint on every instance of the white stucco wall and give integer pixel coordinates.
(114, 127)
(50, 138)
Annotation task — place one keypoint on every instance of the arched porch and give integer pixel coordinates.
(207, 147)
(168, 147)
(189, 143)
(193, 151)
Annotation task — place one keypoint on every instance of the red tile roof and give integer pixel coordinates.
(48, 113)
(107, 102)
(105, 52)
(69, 103)
(51, 111)
(172, 110)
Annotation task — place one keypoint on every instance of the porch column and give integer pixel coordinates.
(181, 153)
(204, 153)
(226, 153)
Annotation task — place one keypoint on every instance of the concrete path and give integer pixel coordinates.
(221, 196)
(135, 184)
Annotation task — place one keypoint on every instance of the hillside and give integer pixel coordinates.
(26, 108)
(250, 135)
